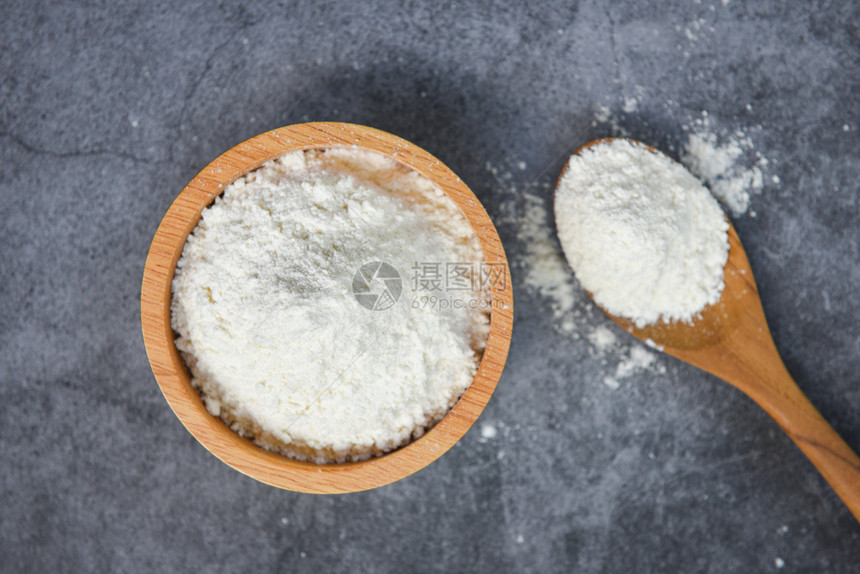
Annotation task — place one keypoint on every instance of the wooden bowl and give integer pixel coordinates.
(175, 381)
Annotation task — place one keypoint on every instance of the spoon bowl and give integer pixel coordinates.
(731, 340)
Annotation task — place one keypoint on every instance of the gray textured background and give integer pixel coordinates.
(106, 111)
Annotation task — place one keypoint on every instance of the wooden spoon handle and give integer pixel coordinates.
(834, 459)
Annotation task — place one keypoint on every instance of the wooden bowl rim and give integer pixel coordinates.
(174, 380)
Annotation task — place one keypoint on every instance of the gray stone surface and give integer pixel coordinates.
(107, 109)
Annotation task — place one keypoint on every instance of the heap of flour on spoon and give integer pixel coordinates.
(642, 234)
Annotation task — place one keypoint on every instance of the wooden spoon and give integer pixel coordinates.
(731, 340)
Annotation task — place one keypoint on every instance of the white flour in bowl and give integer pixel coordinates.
(271, 329)
(642, 234)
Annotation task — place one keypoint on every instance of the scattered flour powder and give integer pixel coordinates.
(547, 272)
(276, 341)
(718, 162)
(543, 270)
(488, 431)
(641, 233)
(638, 360)
(602, 339)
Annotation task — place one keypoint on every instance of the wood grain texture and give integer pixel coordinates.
(173, 377)
(732, 340)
